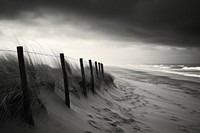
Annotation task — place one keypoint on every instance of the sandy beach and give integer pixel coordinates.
(142, 102)
(161, 103)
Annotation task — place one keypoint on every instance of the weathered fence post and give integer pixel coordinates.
(102, 70)
(96, 67)
(83, 77)
(99, 64)
(92, 77)
(24, 85)
(65, 77)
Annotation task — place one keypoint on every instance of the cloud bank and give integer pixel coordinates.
(164, 22)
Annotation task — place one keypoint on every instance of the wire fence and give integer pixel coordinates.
(23, 73)
(41, 67)
(38, 53)
(43, 58)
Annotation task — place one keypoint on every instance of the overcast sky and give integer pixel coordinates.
(116, 32)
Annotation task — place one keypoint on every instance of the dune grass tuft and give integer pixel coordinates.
(39, 76)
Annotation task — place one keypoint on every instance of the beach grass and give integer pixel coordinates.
(39, 76)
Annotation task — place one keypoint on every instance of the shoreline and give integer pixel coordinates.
(166, 74)
(165, 103)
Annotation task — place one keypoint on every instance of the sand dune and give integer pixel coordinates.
(141, 102)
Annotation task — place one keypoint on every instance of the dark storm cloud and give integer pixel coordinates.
(167, 22)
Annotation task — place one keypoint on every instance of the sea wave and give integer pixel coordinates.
(185, 70)
(182, 73)
(161, 66)
(191, 68)
(177, 67)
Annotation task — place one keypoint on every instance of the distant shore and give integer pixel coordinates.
(161, 72)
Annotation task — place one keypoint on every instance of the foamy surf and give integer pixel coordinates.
(185, 70)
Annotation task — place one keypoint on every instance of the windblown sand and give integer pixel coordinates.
(142, 102)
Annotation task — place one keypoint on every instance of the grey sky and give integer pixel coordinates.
(117, 32)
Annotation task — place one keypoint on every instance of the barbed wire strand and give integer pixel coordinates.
(38, 53)
(3, 50)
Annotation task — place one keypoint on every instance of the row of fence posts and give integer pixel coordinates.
(24, 85)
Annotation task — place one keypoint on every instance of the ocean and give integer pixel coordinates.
(190, 70)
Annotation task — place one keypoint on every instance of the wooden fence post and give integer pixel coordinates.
(24, 85)
(65, 78)
(92, 77)
(102, 70)
(83, 77)
(96, 67)
(99, 64)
